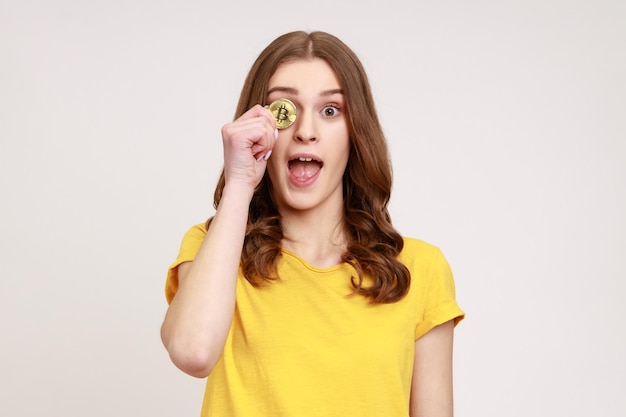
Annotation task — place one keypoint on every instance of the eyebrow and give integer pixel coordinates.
(294, 91)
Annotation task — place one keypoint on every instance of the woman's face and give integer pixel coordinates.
(310, 156)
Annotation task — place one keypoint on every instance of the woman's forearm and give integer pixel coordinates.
(200, 315)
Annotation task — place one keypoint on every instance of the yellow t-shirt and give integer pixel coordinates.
(304, 346)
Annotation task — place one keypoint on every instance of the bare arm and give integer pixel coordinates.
(199, 317)
(431, 389)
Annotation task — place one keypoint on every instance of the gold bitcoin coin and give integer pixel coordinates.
(284, 112)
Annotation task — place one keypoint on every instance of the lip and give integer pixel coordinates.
(306, 155)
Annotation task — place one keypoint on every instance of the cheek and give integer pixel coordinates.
(272, 170)
(340, 160)
(344, 151)
(276, 165)
(342, 136)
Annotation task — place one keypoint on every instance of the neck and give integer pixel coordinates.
(319, 240)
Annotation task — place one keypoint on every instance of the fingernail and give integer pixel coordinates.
(276, 133)
(267, 155)
(260, 158)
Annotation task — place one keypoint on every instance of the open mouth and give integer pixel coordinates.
(304, 167)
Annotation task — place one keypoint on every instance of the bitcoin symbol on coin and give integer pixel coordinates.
(284, 112)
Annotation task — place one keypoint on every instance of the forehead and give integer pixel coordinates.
(305, 74)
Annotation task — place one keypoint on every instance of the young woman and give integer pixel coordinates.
(298, 297)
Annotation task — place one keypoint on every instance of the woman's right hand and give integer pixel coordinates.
(248, 143)
(200, 315)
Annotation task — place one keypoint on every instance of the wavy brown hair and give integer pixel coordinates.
(373, 243)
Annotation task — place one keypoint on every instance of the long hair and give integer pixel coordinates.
(373, 243)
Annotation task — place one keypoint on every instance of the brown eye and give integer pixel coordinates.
(330, 111)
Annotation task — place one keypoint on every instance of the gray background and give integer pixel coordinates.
(506, 124)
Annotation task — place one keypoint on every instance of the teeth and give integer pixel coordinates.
(305, 159)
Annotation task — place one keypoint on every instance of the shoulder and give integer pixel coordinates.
(425, 261)
(432, 285)
(192, 240)
(197, 230)
(417, 250)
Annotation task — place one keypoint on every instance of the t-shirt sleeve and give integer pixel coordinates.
(192, 240)
(440, 303)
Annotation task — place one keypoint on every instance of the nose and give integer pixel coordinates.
(305, 127)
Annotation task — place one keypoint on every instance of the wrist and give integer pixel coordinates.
(237, 192)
